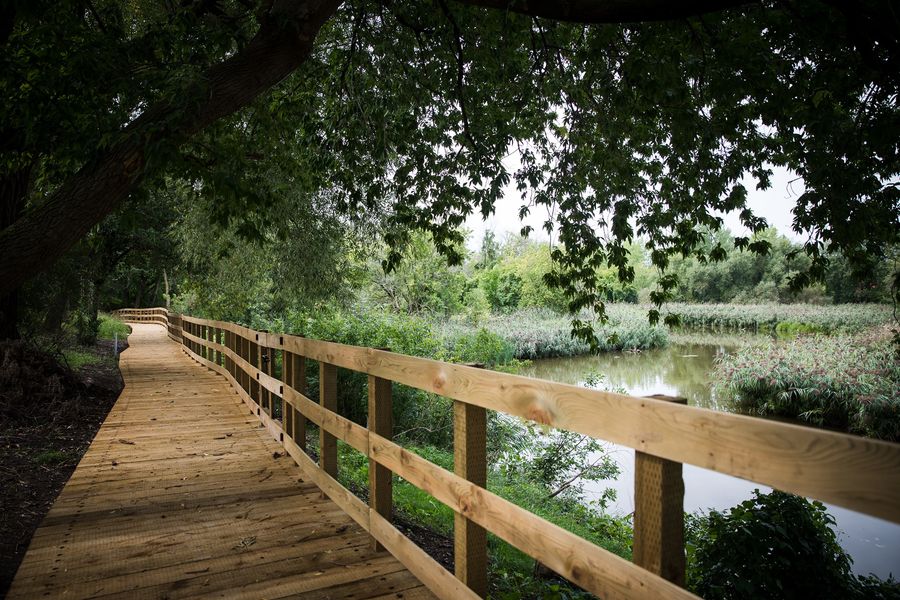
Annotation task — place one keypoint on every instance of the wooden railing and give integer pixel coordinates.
(854, 472)
(159, 315)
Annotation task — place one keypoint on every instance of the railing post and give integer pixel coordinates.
(328, 400)
(298, 382)
(470, 463)
(659, 514)
(381, 422)
(254, 361)
(287, 409)
(263, 364)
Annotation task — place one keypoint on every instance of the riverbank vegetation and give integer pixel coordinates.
(845, 382)
(774, 545)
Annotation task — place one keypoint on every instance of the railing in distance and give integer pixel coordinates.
(857, 473)
(158, 315)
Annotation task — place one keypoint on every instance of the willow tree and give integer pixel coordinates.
(629, 117)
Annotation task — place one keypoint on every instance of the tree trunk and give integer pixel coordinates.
(13, 191)
(43, 233)
(168, 296)
(56, 311)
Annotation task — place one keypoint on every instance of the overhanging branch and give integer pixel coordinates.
(609, 11)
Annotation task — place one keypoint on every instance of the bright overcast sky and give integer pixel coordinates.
(774, 204)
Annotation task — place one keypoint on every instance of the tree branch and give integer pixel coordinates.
(609, 11)
(51, 227)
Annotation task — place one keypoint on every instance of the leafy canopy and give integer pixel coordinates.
(403, 112)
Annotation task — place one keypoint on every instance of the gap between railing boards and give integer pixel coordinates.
(854, 472)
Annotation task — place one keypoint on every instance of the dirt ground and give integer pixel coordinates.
(48, 416)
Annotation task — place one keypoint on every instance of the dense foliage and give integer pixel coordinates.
(843, 382)
(401, 114)
(773, 546)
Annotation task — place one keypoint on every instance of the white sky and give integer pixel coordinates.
(774, 204)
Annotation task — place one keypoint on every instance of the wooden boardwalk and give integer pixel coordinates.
(183, 495)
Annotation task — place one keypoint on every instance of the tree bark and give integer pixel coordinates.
(13, 191)
(49, 228)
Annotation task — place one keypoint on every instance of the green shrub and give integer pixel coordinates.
(110, 327)
(76, 359)
(791, 329)
(777, 546)
(774, 545)
(86, 326)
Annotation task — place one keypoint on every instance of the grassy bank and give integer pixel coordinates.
(781, 318)
(846, 382)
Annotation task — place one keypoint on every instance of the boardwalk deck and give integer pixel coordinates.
(183, 495)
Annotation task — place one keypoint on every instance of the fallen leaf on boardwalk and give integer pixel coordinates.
(124, 441)
(342, 529)
(245, 543)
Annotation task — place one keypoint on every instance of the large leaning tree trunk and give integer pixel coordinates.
(48, 228)
(13, 193)
(283, 42)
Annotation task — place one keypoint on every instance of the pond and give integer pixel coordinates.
(686, 370)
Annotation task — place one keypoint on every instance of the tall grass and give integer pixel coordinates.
(766, 318)
(538, 333)
(110, 327)
(847, 382)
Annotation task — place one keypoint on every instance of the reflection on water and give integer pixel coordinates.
(685, 370)
(679, 370)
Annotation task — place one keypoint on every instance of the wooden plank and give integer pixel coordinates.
(380, 421)
(857, 473)
(178, 511)
(588, 566)
(470, 463)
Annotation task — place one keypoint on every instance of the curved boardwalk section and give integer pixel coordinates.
(183, 495)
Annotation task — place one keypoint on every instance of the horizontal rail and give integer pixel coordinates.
(854, 472)
(850, 471)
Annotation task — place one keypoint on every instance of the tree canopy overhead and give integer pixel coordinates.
(629, 118)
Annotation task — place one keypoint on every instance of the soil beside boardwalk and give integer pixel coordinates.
(44, 435)
(183, 494)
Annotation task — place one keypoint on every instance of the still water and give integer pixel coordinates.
(686, 370)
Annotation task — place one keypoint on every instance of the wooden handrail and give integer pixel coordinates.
(850, 471)
(159, 315)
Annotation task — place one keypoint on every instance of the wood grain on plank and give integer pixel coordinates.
(181, 495)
